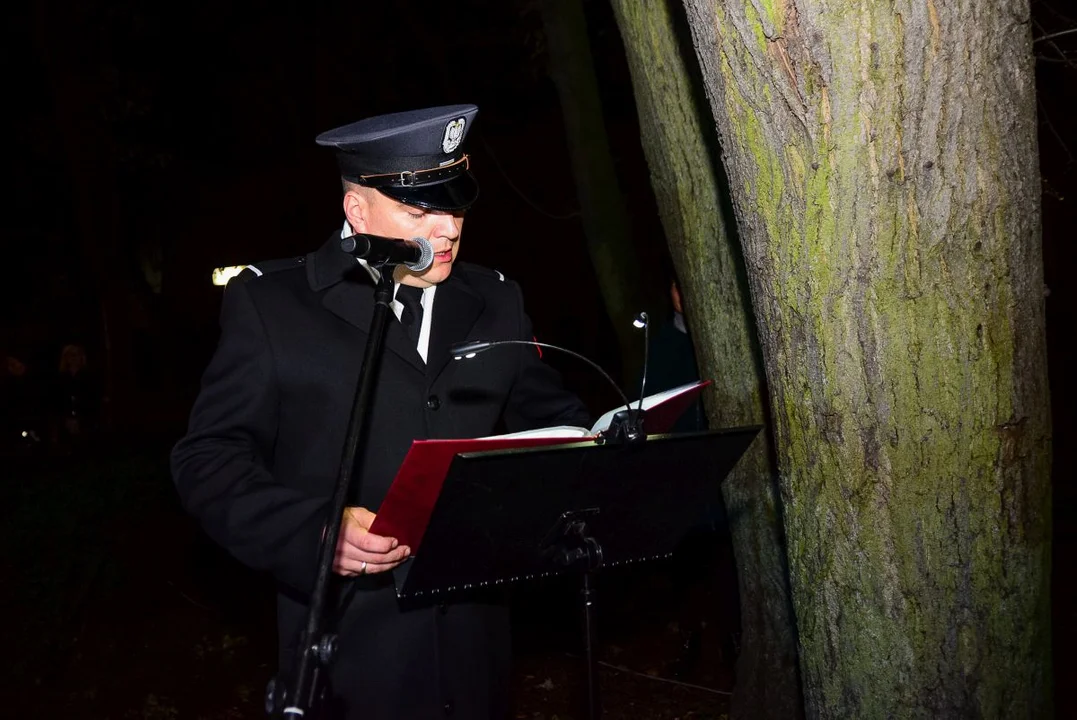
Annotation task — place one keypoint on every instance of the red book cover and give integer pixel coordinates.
(406, 509)
(407, 506)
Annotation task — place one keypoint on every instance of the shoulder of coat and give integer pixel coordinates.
(270, 267)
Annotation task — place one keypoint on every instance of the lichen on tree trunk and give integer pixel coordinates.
(883, 163)
(709, 270)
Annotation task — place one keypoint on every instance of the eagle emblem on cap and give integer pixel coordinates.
(454, 133)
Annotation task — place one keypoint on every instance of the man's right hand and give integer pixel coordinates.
(361, 552)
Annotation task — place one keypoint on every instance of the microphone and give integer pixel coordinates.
(626, 424)
(416, 254)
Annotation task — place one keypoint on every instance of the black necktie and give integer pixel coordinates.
(412, 316)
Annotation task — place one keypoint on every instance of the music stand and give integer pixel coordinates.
(507, 516)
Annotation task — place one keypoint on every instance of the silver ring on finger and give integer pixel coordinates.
(362, 567)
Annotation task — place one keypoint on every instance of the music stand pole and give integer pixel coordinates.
(593, 698)
(572, 546)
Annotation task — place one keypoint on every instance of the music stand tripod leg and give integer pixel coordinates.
(570, 544)
(594, 704)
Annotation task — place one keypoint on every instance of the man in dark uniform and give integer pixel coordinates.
(266, 435)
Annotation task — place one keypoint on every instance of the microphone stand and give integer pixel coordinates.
(305, 689)
(570, 543)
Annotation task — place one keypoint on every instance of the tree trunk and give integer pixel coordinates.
(602, 204)
(710, 271)
(884, 164)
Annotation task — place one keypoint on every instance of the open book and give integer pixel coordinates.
(662, 410)
(410, 500)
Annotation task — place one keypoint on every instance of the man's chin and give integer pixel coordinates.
(438, 274)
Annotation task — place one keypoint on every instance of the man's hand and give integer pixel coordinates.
(359, 551)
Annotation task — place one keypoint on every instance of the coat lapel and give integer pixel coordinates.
(350, 296)
(456, 308)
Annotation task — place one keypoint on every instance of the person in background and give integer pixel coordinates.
(707, 555)
(672, 362)
(75, 401)
(19, 415)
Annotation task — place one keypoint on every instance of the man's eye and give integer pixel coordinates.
(417, 216)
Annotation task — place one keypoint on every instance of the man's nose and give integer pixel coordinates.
(446, 226)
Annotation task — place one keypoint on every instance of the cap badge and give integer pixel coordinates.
(454, 133)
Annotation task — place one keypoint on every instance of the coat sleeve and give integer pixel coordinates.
(220, 467)
(538, 397)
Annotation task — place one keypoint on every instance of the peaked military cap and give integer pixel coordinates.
(416, 157)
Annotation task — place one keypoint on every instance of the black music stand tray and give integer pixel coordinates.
(507, 516)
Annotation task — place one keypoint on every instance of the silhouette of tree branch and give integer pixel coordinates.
(1053, 35)
(1062, 58)
(1055, 13)
(1047, 119)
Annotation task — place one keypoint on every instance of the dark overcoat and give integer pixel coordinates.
(261, 457)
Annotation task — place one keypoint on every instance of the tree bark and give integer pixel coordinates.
(710, 271)
(883, 162)
(602, 205)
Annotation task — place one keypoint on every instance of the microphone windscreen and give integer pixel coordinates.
(426, 259)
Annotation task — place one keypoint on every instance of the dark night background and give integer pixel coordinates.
(146, 145)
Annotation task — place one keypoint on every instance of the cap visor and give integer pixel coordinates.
(451, 195)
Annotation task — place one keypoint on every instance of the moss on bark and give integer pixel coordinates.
(683, 168)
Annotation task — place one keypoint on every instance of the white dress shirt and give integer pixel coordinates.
(397, 308)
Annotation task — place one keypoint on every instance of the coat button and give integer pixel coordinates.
(449, 708)
(433, 403)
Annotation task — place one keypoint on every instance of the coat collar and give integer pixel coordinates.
(456, 308)
(329, 264)
(349, 294)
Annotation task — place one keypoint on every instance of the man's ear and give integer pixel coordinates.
(357, 209)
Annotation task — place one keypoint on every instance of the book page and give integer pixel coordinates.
(648, 402)
(559, 431)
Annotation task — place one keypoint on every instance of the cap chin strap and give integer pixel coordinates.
(414, 178)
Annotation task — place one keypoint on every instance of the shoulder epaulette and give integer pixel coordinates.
(267, 267)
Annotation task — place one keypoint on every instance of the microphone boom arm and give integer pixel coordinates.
(626, 426)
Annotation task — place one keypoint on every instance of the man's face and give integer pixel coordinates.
(379, 214)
